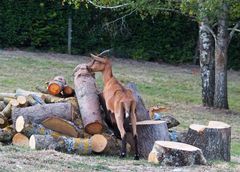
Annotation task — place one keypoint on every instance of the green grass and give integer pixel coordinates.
(170, 86)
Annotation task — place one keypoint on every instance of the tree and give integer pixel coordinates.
(214, 17)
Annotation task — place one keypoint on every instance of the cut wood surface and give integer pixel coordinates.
(29, 129)
(175, 154)
(22, 100)
(63, 126)
(214, 139)
(6, 134)
(20, 140)
(55, 87)
(68, 91)
(141, 111)
(150, 131)
(38, 113)
(88, 101)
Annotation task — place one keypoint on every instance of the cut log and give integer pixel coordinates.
(141, 111)
(8, 95)
(175, 154)
(6, 134)
(214, 139)
(14, 103)
(20, 140)
(68, 91)
(63, 126)
(63, 144)
(6, 100)
(38, 99)
(22, 92)
(22, 100)
(2, 105)
(170, 120)
(87, 96)
(55, 87)
(29, 129)
(38, 113)
(43, 90)
(4, 115)
(31, 100)
(61, 79)
(150, 131)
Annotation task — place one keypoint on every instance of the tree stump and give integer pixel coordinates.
(20, 140)
(150, 131)
(87, 96)
(63, 126)
(175, 154)
(6, 134)
(214, 139)
(141, 111)
(38, 113)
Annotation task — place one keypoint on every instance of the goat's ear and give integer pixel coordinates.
(102, 60)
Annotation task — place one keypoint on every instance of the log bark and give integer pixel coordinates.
(20, 140)
(175, 154)
(38, 113)
(29, 129)
(6, 134)
(150, 131)
(63, 126)
(141, 111)
(2, 105)
(9, 95)
(22, 92)
(214, 139)
(4, 115)
(87, 96)
(63, 144)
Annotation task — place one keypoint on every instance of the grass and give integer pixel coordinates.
(177, 88)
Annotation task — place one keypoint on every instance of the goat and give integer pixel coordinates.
(119, 101)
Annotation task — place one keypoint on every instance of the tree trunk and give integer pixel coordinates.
(148, 132)
(214, 139)
(206, 48)
(87, 96)
(38, 113)
(175, 154)
(141, 111)
(221, 47)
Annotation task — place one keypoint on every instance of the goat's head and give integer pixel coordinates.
(97, 64)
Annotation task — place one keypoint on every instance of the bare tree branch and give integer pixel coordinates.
(234, 29)
(108, 7)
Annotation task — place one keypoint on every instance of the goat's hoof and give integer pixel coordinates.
(136, 157)
(122, 155)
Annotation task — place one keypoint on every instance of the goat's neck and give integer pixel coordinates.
(107, 74)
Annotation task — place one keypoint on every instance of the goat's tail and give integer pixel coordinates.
(127, 108)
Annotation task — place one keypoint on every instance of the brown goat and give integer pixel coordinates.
(119, 100)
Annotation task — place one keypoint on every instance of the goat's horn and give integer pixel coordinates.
(97, 58)
(104, 52)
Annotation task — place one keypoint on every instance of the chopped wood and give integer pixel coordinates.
(4, 115)
(6, 134)
(63, 126)
(150, 131)
(29, 129)
(22, 92)
(14, 103)
(20, 140)
(214, 139)
(141, 111)
(40, 142)
(6, 100)
(61, 79)
(8, 95)
(38, 99)
(31, 100)
(175, 154)
(68, 91)
(38, 113)
(87, 96)
(22, 100)
(55, 87)
(43, 90)
(2, 105)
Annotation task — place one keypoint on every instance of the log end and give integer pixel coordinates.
(22, 100)
(20, 140)
(54, 88)
(19, 124)
(67, 90)
(3, 121)
(99, 143)
(32, 142)
(94, 128)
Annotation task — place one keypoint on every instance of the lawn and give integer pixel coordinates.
(176, 87)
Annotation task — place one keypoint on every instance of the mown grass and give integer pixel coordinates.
(177, 88)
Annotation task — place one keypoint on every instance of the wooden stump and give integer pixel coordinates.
(175, 154)
(150, 131)
(29, 129)
(20, 140)
(63, 126)
(214, 139)
(141, 111)
(38, 113)
(87, 96)
(6, 134)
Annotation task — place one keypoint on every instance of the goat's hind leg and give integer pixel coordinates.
(134, 130)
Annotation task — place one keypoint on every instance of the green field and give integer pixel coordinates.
(176, 87)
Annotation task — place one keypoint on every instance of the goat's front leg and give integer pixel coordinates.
(120, 121)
